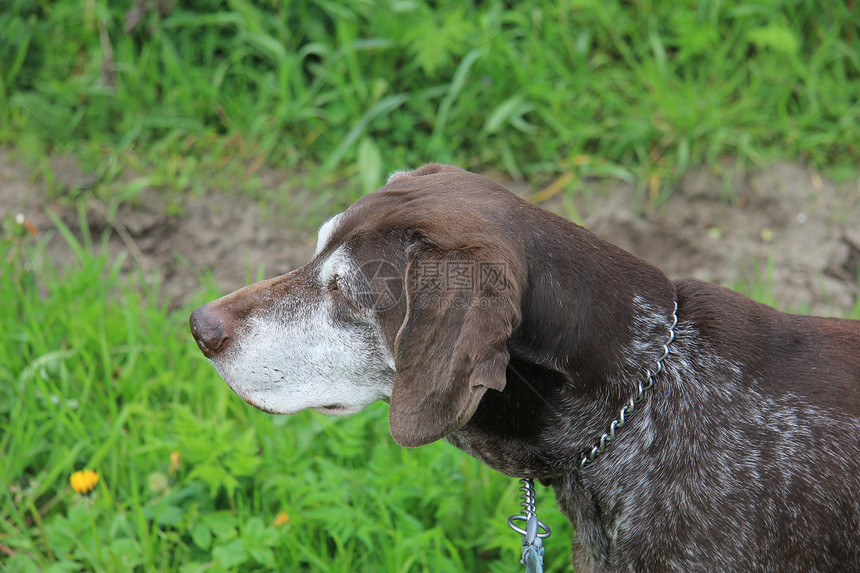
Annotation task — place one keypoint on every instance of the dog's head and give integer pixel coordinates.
(410, 297)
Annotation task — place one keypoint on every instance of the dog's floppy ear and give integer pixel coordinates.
(461, 308)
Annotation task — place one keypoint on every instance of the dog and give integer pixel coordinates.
(683, 426)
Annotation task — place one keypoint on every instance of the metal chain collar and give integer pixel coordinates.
(532, 548)
(588, 456)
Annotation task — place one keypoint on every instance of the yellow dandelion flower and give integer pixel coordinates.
(175, 462)
(84, 482)
(282, 518)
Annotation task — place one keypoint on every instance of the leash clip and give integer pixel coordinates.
(532, 549)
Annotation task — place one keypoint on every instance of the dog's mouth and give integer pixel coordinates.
(329, 410)
(335, 410)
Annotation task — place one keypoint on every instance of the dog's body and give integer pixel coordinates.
(519, 336)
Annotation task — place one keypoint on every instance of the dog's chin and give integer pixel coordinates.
(274, 405)
(338, 410)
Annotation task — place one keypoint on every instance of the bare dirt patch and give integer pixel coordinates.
(783, 227)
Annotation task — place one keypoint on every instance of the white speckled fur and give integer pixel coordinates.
(297, 355)
(308, 361)
(682, 417)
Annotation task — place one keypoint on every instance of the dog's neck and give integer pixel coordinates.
(594, 320)
(585, 311)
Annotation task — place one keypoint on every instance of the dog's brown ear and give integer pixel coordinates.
(461, 308)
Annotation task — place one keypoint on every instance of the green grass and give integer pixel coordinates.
(97, 373)
(639, 90)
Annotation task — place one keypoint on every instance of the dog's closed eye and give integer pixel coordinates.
(342, 295)
(336, 291)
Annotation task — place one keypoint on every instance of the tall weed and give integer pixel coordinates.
(368, 86)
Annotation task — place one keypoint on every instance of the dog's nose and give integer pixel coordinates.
(210, 330)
